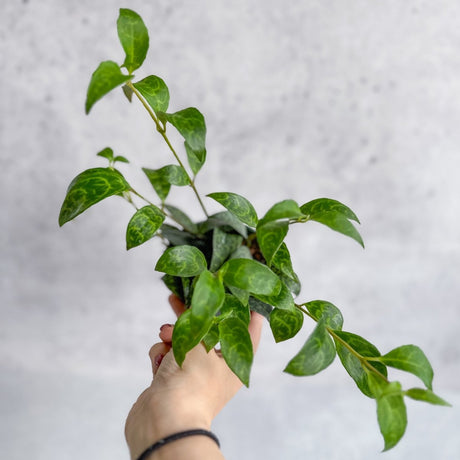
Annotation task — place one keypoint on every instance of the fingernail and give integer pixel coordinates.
(164, 325)
(158, 359)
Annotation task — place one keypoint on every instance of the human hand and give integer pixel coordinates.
(182, 398)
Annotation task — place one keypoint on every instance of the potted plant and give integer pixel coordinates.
(235, 261)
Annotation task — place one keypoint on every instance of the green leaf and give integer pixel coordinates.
(287, 209)
(270, 236)
(421, 394)
(180, 237)
(410, 358)
(104, 79)
(242, 252)
(183, 338)
(182, 219)
(321, 205)
(162, 179)
(121, 159)
(207, 298)
(282, 261)
(211, 339)
(106, 153)
(285, 324)
(251, 276)
(181, 261)
(238, 206)
(236, 347)
(282, 300)
(174, 284)
(224, 219)
(240, 294)
(233, 307)
(143, 225)
(317, 353)
(223, 244)
(134, 38)
(392, 415)
(196, 158)
(128, 92)
(260, 307)
(155, 92)
(191, 125)
(339, 223)
(88, 188)
(321, 309)
(352, 364)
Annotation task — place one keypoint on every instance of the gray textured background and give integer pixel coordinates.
(356, 100)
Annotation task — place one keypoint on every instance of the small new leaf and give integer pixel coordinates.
(181, 261)
(143, 225)
(155, 92)
(317, 353)
(88, 188)
(421, 394)
(134, 38)
(410, 358)
(238, 206)
(285, 324)
(236, 347)
(104, 79)
(106, 153)
(251, 276)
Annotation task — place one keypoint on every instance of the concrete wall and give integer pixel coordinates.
(356, 100)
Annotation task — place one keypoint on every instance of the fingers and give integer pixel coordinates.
(166, 332)
(255, 329)
(176, 304)
(157, 353)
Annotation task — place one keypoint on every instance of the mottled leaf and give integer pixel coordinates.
(233, 307)
(211, 339)
(270, 236)
(155, 92)
(421, 394)
(251, 276)
(285, 324)
(143, 225)
(162, 179)
(242, 252)
(191, 125)
(317, 353)
(410, 358)
(240, 294)
(226, 220)
(208, 296)
(236, 347)
(183, 338)
(281, 300)
(321, 205)
(238, 206)
(223, 244)
(352, 364)
(330, 313)
(392, 415)
(174, 284)
(104, 79)
(260, 307)
(134, 38)
(196, 158)
(182, 219)
(88, 188)
(287, 209)
(179, 237)
(181, 261)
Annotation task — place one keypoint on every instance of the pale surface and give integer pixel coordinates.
(356, 100)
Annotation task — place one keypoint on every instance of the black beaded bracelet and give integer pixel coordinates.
(175, 437)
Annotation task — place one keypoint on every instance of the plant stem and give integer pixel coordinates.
(162, 131)
(363, 359)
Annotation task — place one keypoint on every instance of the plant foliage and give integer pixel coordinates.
(233, 262)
